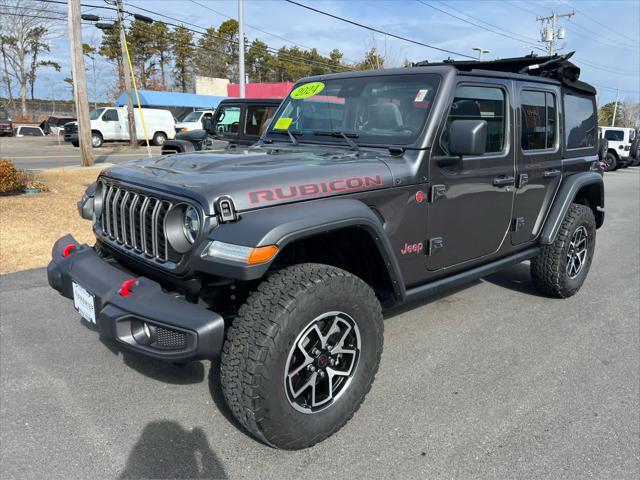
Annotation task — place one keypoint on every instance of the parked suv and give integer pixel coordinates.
(368, 190)
(236, 122)
(6, 125)
(619, 150)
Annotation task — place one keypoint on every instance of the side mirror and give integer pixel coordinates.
(467, 137)
(207, 124)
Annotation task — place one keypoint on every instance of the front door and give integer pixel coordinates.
(539, 163)
(471, 198)
(111, 128)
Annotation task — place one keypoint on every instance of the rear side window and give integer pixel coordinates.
(257, 115)
(614, 135)
(480, 103)
(579, 121)
(538, 120)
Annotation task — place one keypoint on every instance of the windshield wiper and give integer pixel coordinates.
(339, 133)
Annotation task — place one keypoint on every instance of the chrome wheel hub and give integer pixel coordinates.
(322, 362)
(577, 253)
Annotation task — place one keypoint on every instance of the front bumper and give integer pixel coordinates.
(180, 331)
(70, 137)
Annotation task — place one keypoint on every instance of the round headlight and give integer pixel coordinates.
(191, 224)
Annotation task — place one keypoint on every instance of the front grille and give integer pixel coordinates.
(70, 128)
(170, 339)
(136, 221)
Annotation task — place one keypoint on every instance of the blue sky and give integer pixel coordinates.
(604, 33)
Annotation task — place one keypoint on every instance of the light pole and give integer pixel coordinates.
(480, 52)
(241, 47)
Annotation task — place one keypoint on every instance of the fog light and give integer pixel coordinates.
(142, 332)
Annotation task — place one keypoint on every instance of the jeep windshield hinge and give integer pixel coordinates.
(434, 245)
(437, 191)
(226, 210)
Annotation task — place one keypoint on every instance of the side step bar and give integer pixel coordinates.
(435, 288)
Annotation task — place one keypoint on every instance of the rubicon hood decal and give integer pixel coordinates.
(294, 192)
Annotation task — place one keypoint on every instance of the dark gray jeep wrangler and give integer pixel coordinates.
(368, 190)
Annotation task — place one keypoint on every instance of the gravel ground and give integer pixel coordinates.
(491, 381)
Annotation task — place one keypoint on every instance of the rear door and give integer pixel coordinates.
(471, 199)
(538, 158)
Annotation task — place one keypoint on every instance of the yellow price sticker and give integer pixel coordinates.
(307, 90)
(283, 123)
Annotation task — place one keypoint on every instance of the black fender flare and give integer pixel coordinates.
(182, 146)
(282, 225)
(567, 193)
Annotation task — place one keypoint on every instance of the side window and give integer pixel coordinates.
(538, 120)
(256, 116)
(110, 115)
(579, 121)
(227, 119)
(614, 135)
(480, 103)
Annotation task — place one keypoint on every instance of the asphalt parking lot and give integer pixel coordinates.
(491, 381)
(38, 153)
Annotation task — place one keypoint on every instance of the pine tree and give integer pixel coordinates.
(183, 49)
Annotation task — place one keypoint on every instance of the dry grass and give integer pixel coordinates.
(30, 224)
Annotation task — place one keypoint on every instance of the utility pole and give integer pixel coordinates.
(133, 140)
(615, 109)
(80, 83)
(550, 32)
(241, 48)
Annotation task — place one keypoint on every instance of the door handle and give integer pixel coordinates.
(554, 172)
(503, 181)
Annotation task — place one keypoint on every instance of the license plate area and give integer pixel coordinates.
(84, 303)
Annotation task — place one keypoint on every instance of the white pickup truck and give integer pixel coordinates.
(111, 124)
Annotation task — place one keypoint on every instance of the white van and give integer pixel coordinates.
(193, 121)
(111, 124)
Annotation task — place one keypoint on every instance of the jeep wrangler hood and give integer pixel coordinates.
(258, 177)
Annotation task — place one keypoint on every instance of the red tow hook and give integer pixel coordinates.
(126, 288)
(68, 249)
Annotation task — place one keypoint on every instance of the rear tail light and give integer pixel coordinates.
(627, 148)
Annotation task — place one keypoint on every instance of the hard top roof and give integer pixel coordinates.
(551, 69)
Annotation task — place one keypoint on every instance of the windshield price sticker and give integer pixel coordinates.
(420, 96)
(307, 90)
(283, 123)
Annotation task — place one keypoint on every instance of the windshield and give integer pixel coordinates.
(96, 114)
(192, 117)
(378, 110)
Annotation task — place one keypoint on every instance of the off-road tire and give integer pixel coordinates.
(549, 268)
(159, 138)
(610, 162)
(261, 336)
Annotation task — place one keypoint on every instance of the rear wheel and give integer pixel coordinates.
(302, 354)
(561, 268)
(610, 162)
(159, 138)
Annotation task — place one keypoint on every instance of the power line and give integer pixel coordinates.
(584, 14)
(373, 29)
(480, 26)
(291, 58)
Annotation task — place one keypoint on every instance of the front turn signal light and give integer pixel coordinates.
(262, 254)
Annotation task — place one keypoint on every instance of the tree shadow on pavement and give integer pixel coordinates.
(166, 450)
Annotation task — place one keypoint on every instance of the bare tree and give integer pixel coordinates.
(24, 35)
(630, 113)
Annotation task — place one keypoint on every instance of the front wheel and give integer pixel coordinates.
(561, 268)
(96, 140)
(302, 354)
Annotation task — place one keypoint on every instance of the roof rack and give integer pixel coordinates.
(557, 67)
